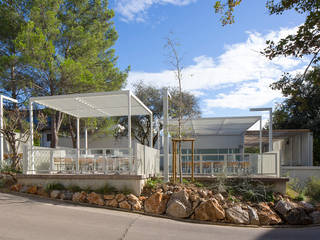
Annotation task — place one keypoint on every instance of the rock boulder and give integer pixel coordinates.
(95, 198)
(209, 210)
(237, 215)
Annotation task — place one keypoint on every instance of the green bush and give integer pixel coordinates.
(74, 188)
(55, 186)
(198, 184)
(153, 182)
(106, 189)
(313, 189)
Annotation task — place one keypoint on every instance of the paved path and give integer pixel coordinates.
(27, 218)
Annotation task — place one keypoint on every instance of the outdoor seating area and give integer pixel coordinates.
(134, 159)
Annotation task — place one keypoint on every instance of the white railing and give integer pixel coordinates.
(230, 164)
(145, 161)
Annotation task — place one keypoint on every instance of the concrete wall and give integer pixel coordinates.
(302, 173)
(133, 183)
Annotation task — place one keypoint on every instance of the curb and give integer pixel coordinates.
(69, 202)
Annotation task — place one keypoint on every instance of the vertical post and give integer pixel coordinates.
(86, 140)
(129, 132)
(151, 131)
(78, 145)
(260, 136)
(166, 136)
(270, 130)
(31, 136)
(1, 127)
(192, 163)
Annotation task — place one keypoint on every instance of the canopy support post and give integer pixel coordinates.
(78, 145)
(166, 136)
(31, 136)
(151, 131)
(86, 139)
(129, 132)
(1, 134)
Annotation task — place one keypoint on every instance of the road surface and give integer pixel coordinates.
(34, 219)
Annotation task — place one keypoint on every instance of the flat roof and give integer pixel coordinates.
(100, 104)
(215, 126)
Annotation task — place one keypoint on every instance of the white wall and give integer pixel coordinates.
(296, 150)
(303, 174)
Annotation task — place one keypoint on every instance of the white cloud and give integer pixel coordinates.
(241, 67)
(136, 9)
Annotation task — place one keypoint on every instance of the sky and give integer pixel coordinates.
(222, 65)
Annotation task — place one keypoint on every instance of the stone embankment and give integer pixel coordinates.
(185, 202)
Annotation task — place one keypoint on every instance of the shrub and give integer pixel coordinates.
(74, 188)
(55, 186)
(153, 182)
(313, 189)
(106, 189)
(198, 184)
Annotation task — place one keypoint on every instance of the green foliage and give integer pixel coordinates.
(55, 186)
(74, 188)
(185, 181)
(198, 184)
(313, 189)
(153, 182)
(126, 190)
(300, 110)
(106, 189)
(251, 150)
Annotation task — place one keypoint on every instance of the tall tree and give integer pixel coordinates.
(152, 98)
(301, 109)
(305, 42)
(69, 44)
(15, 72)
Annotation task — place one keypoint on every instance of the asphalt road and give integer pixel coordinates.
(29, 218)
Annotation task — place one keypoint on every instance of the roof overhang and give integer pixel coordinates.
(216, 126)
(100, 104)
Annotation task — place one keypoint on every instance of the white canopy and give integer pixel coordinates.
(216, 126)
(101, 104)
(87, 105)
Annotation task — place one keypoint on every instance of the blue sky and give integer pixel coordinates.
(222, 65)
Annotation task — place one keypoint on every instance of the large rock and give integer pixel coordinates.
(266, 215)
(32, 190)
(42, 192)
(315, 216)
(120, 197)
(283, 207)
(95, 198)
(209, 210)
(79, 197)
(178, 209)
(155, 203)
(24, 189)
(108, 197)
(181, 196)
(219, 197)
(135, 202)
(112, 203)
(16, 187)
(125, 205)
(237, 215)
(297, 216)
(253, 216)
(66, 195)
(308, 207)
(54, 194)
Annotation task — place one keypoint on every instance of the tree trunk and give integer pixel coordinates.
(56, 120)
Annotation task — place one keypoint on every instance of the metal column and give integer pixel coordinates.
(166, 136)
(78, 145)
(86, 139)
(270, 131)
(31, 137)
(151, 131)
(129, 132)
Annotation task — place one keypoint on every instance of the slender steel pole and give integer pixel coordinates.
(31, 136)
(86, 139)
(192, 164)
(78, 145)
(151, 131)
(270, 131)
(129, 133)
